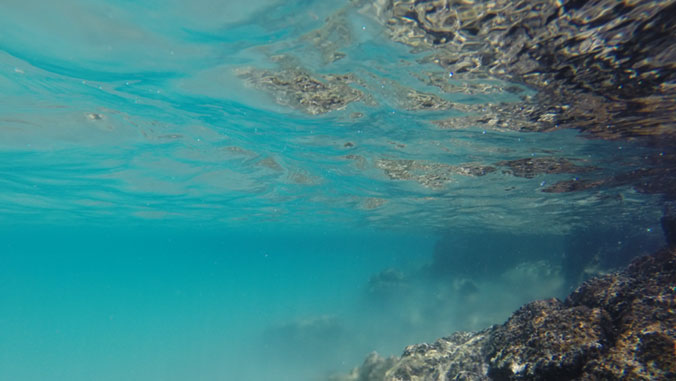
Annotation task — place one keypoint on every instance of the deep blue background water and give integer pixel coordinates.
(161, 219)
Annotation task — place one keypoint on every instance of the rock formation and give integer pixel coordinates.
(620, 326)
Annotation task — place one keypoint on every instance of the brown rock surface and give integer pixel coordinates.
(620, 326)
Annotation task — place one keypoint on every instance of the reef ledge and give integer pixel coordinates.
(620, 326)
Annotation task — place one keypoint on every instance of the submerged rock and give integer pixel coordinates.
(620, 326)
(457, 357)
(547, 340)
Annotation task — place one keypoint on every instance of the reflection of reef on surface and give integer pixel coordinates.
(532, 167)
(429, 174)
(297, 88)
(452, 83)
(332, 36)
(525, 117)
(435, 175)
(604, 67)
(619, 326)
(658, 178)
(600, 67)
(416, 101)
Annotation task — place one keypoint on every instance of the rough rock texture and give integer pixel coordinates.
(620, 326)
(457, 357)
(547, 340)
(641, 302)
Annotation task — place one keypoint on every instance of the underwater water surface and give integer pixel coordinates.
(205, 190)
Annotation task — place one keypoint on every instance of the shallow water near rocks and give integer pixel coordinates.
(207, 191)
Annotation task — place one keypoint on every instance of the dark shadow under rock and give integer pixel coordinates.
(473, 256)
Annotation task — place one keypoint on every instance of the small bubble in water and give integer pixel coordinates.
(363, 28)
(543, 183)
(649, 230)
(483, 132)
(450, 75)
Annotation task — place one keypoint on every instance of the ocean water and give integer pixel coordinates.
(172, 208)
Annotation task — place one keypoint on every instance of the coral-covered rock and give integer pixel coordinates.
(620, 326)
(457, 357)
(545, 340)
(642, 303)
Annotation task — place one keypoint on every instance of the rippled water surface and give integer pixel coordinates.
(235, 191)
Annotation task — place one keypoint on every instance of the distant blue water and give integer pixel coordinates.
(163, 219)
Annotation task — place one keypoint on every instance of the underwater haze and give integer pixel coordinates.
(220, 190)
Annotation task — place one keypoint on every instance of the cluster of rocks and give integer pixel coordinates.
(620, 326)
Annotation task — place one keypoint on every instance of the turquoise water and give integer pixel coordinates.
(165, 217)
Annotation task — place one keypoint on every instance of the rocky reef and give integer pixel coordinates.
(621, 326)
